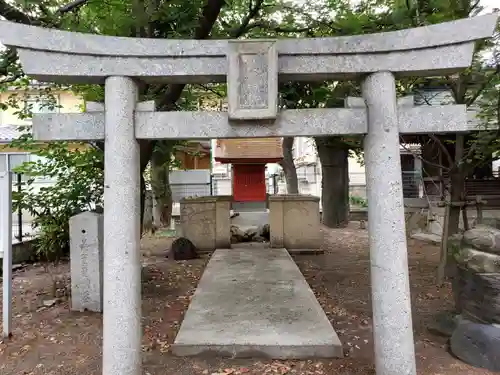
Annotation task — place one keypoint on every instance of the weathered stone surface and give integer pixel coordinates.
(478, 261)
(295, 221)
(489, 221)
(86, 261)
(444, 323)
(250, 234)
(237, 235)
(207, 125)
(254, 302)
(264, 231)
(387, 238)
(483, 238)
(205, 221)
(60, 56)
(477, 344)
(478, 295)
(252, 88)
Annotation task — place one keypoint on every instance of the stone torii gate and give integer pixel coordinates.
(251, 69)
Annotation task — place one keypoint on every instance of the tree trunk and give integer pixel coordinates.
(160, 169)
(457, 186)
(143, 202)
(335, 183)
(288, 165)
(456, 193)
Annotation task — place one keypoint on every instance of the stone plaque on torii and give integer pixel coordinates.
(252, 69)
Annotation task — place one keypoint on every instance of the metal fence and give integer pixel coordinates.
(22, 229)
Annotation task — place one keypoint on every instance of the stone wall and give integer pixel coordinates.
(206, 222)
(476, 287)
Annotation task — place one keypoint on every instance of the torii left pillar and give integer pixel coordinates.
(6, 248)
(122, 336)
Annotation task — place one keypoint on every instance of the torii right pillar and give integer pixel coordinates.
(391, 304)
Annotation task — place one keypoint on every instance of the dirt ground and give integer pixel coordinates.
(54, 340)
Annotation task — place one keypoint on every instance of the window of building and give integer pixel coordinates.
(9, 161)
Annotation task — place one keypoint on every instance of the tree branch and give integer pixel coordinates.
(420, 156)
(252, 13)
(483, 87)
(443, 148)
(71, 6)
(275, 28)
(209, 16)
(10, 13)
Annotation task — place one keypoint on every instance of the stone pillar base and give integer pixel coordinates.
(295, 222)
(206, 222)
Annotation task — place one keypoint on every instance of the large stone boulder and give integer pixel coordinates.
(478, 295)
(476, 286)
(477, 344)
(237, 235)
(483, 238)
(250, 234)
(265, 231)
(489, 221)
(478, 261)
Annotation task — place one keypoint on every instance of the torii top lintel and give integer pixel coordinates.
(68, 57)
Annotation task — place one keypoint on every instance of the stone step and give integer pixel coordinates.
(255, 303)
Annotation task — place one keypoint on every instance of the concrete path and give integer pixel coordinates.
(255, 302)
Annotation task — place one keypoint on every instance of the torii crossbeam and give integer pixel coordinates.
(252, 69)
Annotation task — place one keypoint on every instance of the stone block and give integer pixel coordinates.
(252, 79)
(295, 222)
(205, 221)
(223, 222)
(483, 238)
(67, 57)
(477, 344)
(478, 261)
(477, 295)
(86, 258)
(255, 303)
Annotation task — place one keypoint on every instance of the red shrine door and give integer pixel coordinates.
(249, 182)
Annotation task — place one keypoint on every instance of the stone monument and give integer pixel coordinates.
(86, 260)
(251, 69)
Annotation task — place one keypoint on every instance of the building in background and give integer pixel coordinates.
(248, 158)
(420, 179)
(63, 100)
(194, 155)
(309, 173)
(37, 101)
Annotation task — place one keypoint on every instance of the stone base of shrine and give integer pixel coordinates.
(255, 302)
(295, 222)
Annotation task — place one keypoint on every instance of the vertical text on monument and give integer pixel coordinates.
(252, 80)
(86, 257)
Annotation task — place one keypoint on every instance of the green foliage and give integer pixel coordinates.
(59, 181)
(358, 201)
(75, 185)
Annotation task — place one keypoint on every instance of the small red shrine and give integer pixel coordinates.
(249, 157)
